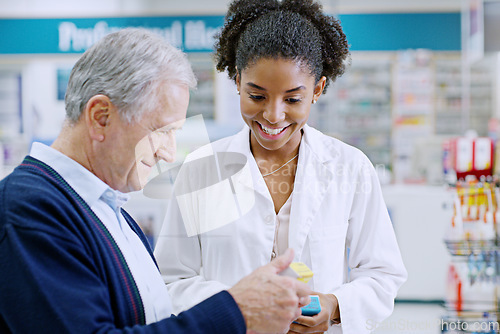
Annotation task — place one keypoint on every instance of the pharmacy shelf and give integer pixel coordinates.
(449, 95)
(474, 272)
(357, 107)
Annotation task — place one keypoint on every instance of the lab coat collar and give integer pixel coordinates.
(313, 178)
(241, 143)
(323, 151)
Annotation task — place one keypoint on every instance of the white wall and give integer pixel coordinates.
(421, 216)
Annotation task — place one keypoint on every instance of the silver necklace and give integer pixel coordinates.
(286, 163)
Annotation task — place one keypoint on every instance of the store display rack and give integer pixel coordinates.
(357, 106)
(450, 94)
(473, 287)
(470, 247)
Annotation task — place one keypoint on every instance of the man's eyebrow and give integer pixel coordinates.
(251, 84)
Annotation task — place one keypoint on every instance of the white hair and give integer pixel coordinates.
(127, 66)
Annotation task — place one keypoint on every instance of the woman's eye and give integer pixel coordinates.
(256, 97)
(293, 100)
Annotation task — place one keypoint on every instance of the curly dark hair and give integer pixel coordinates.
(288, 29)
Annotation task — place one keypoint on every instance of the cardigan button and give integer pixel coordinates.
(269, 220)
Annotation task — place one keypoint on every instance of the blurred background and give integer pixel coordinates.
(420, 98)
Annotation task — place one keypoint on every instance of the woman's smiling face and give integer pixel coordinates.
(275, 101)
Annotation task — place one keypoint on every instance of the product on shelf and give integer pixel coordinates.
(475, 216)
(472, 295)
(470, 155)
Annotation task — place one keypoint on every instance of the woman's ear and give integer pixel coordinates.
(237, 80)
(97, 112)
(318, 89)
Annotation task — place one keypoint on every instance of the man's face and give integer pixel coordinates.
(134, 148)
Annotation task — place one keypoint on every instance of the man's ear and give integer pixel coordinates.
(97, 116)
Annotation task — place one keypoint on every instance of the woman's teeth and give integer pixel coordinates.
(270, 131)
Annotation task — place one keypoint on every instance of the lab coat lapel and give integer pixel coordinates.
(241, 144)
(312, 181)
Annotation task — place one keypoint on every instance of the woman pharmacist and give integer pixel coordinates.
(313, 193)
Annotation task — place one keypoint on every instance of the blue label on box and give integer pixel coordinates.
(314, 307)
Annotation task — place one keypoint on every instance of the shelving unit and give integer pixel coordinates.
(449, 95)
(472, 301)
(412, 109)
(202, 99)
(364, 106)
(386, 102)
(481, 96)
(357, 107)
(12, 143)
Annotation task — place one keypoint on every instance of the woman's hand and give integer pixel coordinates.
(320, 322)
(270, 302)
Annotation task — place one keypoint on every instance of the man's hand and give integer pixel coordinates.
(269, 302)
(320, 322)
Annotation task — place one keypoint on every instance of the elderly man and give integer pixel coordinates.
(73, 261)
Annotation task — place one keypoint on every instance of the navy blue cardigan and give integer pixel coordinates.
(62, 272)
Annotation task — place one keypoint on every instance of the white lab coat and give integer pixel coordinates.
(338, 220)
